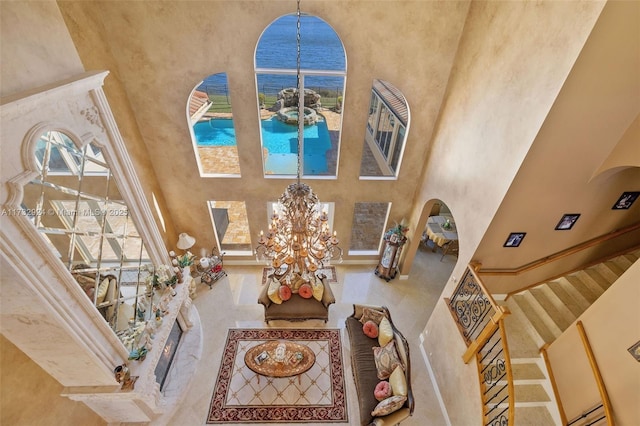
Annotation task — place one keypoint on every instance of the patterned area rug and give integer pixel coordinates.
(329, 271)
(318, 395)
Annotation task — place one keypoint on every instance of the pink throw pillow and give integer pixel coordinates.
(382, 390)
(305, 291)
(370, 329)
(284, 292)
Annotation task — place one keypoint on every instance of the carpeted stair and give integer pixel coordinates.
(539, 315)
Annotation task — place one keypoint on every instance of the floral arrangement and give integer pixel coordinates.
(182, 261)
(397, 234)
(162, 278)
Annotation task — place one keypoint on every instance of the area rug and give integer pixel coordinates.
(318, 395)
(329, 271)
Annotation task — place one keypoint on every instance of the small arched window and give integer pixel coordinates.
(212, 130)
(386, 132)
(323, 73)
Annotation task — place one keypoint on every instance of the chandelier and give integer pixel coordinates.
(298, 240)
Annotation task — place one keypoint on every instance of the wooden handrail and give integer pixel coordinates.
(596, 373)
(488, 330)
(507, 359)
(559, 255)
(554, 386)
(472, 268)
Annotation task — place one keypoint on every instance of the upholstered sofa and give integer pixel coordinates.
(105, 299)
(297, 308)
(365, 370)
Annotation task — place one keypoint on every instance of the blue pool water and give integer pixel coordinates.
(277, 137)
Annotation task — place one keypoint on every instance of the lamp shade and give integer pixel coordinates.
(185, 241)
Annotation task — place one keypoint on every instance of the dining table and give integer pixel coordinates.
(438, 232)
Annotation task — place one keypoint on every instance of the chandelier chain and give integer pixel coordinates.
(298, 241)
(300, 95)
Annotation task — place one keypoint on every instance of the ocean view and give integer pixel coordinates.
(321, 49)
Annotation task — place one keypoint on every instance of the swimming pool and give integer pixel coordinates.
(278, 138)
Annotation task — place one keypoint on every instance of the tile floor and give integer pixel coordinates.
(232, 303)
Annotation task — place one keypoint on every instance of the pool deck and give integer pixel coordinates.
(224, 159)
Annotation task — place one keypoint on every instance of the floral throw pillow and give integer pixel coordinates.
(369, 314)
(386, 359)
(388, 406)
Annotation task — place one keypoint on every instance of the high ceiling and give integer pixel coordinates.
(483, 80)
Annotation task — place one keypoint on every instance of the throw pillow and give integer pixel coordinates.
(385, 332)
(284, 292)
(398, 382)
(370, 329)
(305, 291)
(386, 359)
(296, 283)
(371, 314)
(382, 390)
(318, 290)
(388, 406)
(273, 293)
(102, 290)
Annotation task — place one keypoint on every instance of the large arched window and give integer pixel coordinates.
(323, 73)
(386, 132)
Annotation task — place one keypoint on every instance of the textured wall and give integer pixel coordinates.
(26, 386)
(36, 48)
(158, 52)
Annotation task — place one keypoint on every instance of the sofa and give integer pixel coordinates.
(366, 368)
(297, 308)
(103, 292)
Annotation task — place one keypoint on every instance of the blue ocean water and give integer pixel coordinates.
(320, 49)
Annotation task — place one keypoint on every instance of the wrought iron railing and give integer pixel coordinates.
(496, 382)
(472, 306)
(481, 324)
(592, 417)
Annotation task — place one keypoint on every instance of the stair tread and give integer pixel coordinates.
(553, 306)
(574, 293)
(540, 320)
(577, 307)
(532, 416)
(522, 338)
(530, 393)
(593, 280)
(527, 371)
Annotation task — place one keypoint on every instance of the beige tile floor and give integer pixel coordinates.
(232, 303)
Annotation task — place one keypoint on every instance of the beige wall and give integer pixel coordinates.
(27, 389)
(594, 115)
(158, 52)
(480, 79)
(612, 326)
(36, 47)
(508, 72)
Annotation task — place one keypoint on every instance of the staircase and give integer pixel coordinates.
(539, 315)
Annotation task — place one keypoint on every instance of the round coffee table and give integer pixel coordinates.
(297, 360)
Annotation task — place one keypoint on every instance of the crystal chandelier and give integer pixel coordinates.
(298, 240)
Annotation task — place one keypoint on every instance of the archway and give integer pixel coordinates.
(436, 219)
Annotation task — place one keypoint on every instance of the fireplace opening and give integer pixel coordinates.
(168, 353)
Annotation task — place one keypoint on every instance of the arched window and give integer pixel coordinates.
(386, 132)
(212, 130)
(323, 73)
